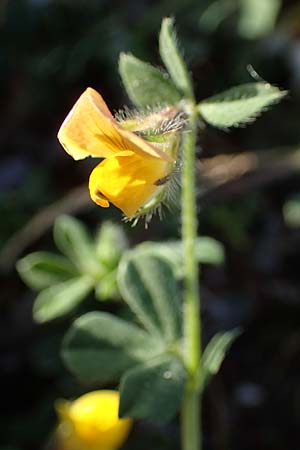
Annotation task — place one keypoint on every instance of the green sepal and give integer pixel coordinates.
(239, 105)
(146, 86)
(148, 285)
(99, 347)
(153, 390)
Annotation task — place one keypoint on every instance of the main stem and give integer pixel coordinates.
(190, 413)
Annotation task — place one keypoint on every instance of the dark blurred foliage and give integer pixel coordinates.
(50, 50)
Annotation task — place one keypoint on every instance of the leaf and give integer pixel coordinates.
(99, 347)
(72, 239)
(215, 353)
(240, 104)
(59, 299)
(146, 85)
(208, 251)
(258, 18)
(110, 244)
(291, 212)
(107, 288)
(215, 13)
(40, 270)
(153, 390)
(148, 285)
(173, 59)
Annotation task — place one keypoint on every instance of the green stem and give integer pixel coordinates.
(190, 421)
(190, 414)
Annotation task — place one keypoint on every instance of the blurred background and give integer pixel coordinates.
(249, 199)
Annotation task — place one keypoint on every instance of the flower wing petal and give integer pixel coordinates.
(127, 180)
(89, 128)
(140, 146)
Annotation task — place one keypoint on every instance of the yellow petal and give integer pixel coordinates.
(127, 180)
(90, 130)
(93, 423)
(140, 146)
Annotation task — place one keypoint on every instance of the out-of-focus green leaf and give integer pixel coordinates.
(107, 288)
(173, 59)
(40, 270)
(208, 251)
(240, 104)
(59, 299)
(291, 212)
(257, 17)
(99, 347)
(110, 244)
(215, 353)
(146, 85)
(147, 283)
(153, 390)
(215, 13)
(72, 239)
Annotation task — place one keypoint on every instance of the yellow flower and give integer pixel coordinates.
(132, 170)
(91, 423)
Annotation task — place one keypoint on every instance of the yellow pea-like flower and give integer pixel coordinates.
(91, 422)
(132, 169)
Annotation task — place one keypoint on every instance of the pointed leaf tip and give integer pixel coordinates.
(173, 59)
(240, 104)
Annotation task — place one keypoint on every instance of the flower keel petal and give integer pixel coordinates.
(127, 180)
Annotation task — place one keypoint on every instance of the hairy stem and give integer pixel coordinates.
(190, 414)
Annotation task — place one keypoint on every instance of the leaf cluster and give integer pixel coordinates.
(148, 86)
(65, 280)
(146, 355)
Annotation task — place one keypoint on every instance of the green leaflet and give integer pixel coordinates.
(41, 270)
(73, 240)
(148, 285)
(215, 353)
(99, 347)
(110, 243)
(257, 18)
(59, 299)
(207, 249)
(173, 59)
(240, 104)
(153, 390)
(146, 85)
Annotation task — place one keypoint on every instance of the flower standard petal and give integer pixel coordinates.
(127, 180)
(90, 130)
